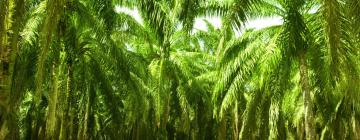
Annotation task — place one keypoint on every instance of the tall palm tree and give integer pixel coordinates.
(296, 39)
(12, 21)
(338, 51)
(171, 74)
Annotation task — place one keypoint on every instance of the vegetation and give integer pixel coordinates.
(77, 69)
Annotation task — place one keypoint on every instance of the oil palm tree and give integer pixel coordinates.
(339, 54)
(12, 22)
(298, 31)
(50, 52)
(170, 72)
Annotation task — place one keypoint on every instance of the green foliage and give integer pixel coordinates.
(80, 69)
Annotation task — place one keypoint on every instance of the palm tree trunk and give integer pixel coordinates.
(70, 100)
(222, 129)
(354, 127)
(17, 26)
(300, 131)
(163, 89)
(264, 117)
(4, 5)
(8, 51)
(83, 135)
(308, 113)
(165, 115)
(236, 122)
(51, 118)
(3, 49)
(66, 121)
(88, 113)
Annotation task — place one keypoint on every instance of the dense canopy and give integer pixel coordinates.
(90, 69)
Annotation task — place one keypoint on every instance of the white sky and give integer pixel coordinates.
(132, 12)
(216, 21)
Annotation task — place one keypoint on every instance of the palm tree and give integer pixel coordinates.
(297, 36)
(171, 74)
(46, 40)
(338, 52)
(12, 20)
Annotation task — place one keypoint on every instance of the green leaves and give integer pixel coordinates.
(84, 71)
